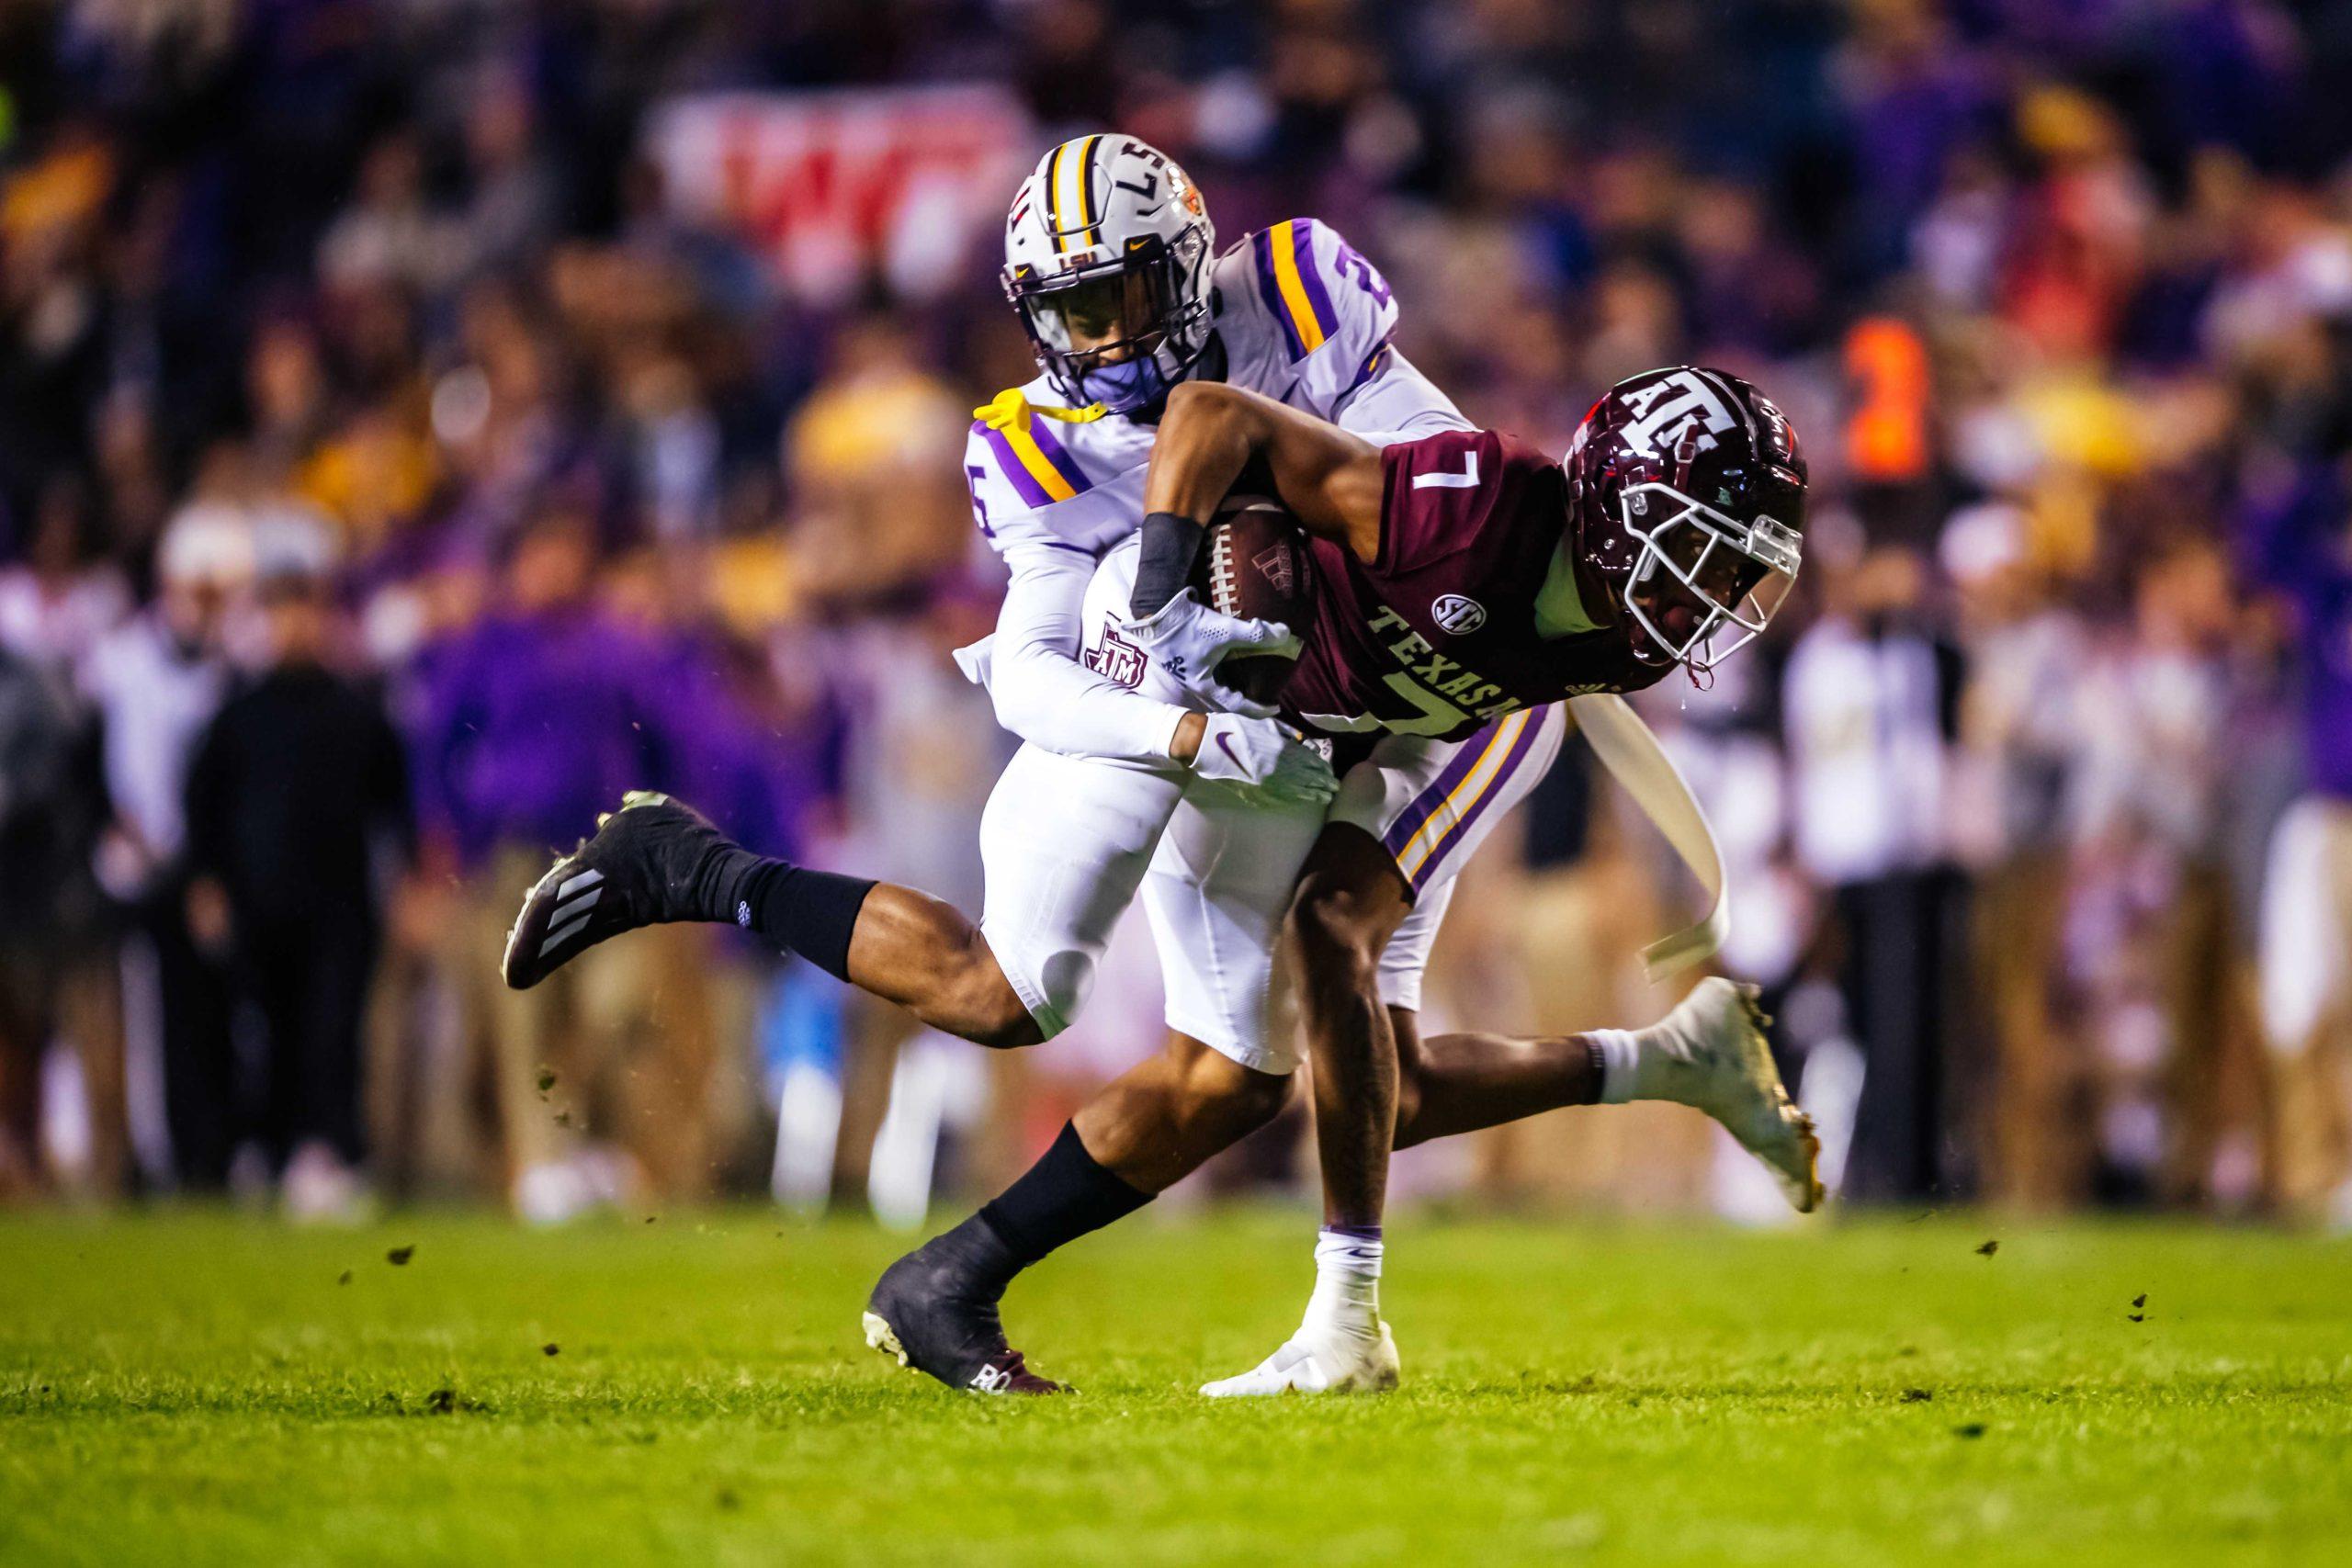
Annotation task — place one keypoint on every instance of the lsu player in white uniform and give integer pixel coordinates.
(1107, 236)
(1205, 807)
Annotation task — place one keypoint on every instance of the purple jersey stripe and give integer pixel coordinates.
(1009, 463)
(1373, 364)
(1459, 834)
(1302, 245)
(1262, 251)
(1429, 800)
(1058, 456)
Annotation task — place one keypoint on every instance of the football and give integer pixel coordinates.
(1257, 565)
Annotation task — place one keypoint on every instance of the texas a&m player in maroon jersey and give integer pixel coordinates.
(1486, 577)
(1465, 577)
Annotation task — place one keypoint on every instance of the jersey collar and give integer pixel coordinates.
(1559, 601)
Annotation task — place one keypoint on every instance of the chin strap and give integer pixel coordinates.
(1011, 409)
(1631, 753)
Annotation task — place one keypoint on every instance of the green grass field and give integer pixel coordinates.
(201, 1388)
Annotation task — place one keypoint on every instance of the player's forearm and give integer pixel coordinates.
(1207, 437)
(1057, 704)
(1039, 688)
(1328, 479)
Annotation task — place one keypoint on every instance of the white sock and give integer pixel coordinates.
(1622, 1056)
(1347, 1284)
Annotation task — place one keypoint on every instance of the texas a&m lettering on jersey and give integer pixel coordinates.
(1437, 636)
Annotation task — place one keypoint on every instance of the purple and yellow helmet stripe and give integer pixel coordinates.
(1291, 287)
(1069, 193)
(1446, 812)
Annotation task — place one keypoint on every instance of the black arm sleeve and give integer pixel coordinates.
(1170, 544)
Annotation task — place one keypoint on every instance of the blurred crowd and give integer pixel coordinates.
(394, 472)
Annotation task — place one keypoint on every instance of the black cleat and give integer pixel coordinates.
(935, 1311)
(651, 862)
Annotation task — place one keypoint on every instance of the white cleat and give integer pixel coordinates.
(1724, 1068)
(1317, 1362)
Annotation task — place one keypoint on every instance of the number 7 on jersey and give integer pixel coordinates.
(1466, 478)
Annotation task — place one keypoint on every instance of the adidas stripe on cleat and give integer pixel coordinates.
(655, 859)
(574, 898)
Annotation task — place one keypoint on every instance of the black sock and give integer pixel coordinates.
(809, 912)
(1059, 1199)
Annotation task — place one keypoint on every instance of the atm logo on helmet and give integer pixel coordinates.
(1454, 614)
(1678, 408)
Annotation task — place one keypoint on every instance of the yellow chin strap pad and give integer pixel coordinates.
(1010, 409)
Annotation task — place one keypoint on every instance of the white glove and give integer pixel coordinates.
(1260, 754)
(1186, 640)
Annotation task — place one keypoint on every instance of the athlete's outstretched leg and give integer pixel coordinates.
(1459, 1083)
(657, 860)
(1219, 883)
(1709, 1053)
(935, 1309)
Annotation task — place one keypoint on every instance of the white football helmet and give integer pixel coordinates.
(1106, 259)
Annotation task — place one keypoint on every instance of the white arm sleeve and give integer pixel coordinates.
(1041, 691)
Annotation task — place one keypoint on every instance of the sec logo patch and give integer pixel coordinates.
(1457, 615)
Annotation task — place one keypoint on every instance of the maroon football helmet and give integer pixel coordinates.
(1686, 490)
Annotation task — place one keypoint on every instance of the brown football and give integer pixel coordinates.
(1256, 565)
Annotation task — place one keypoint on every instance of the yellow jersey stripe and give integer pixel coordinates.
(1448, 817)
(1041, 467)
(1294, 288)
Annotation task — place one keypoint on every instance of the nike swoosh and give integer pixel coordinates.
(1226, 742)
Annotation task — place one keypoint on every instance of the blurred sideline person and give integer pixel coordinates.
(297, 806)
(156, 682)
(2020, 729)
(537, 715)
(2174, 1048)
(63, 932)
(2298, 543)
(1872, 713)
(47, 829)
(879, 535)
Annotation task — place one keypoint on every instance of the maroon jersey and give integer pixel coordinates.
(1437, 635)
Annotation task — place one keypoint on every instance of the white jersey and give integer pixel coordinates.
(1301, 317)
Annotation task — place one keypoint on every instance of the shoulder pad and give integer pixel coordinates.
(1320, 290)
(1041, 473)
(1016, 439)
